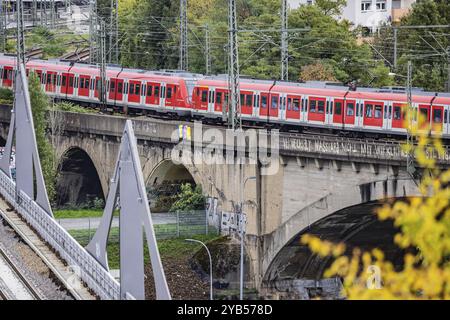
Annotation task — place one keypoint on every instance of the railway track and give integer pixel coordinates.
(27, 289)
(82, 55)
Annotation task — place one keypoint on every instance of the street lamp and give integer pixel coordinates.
(210, 266)
(241, 284)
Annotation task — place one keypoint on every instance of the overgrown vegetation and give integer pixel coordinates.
(40, 105)
(6, 96)
(189, 199)
(72, 107)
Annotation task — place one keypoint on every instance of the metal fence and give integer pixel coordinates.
(167, 225)
(91, 272)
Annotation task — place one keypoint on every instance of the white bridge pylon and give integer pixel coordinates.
(21, 129)
(128, 193)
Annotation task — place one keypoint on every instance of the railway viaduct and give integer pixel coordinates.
(311, 185)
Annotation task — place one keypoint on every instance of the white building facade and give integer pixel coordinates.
(368, 13)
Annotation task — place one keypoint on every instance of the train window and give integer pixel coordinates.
(424, 113)
(219, 97)
(86, 83)
(49, 78)
(137, 90)
(169, 92)
(274, 104)
(81, 83)
(149, 90)
(378, 111)
(131, 88)
(248, 100)
(5, 74)
(397, 113)
(350, 109)
(242, 99)
(112, 86)
(321, 106)
(369, 111)
(156, 91)
(204, 95)
(119, 87)
(437, 115)
(64, 81)
(289, 104)
(296, 104)
(445, 116)
(264, 102)
(338, 108)
(312, 106)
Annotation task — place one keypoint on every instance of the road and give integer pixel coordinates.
(93, 223)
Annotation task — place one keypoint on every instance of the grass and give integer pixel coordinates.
(78, 213)
(168, 248)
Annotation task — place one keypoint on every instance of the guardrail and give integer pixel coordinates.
(90, 271)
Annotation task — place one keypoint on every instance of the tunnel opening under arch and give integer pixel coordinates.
(297, 269)
(165, 183)
(78, 183)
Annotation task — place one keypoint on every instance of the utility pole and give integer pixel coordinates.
(448, 69)
(20, 35)
(284, 41)
(2, 27)
(410, 168)
(44, 12)
(207, 50)
(52, 14)
(183, 63)
(233, 68)
(92, 30)
(395, 47)
(113, 56)
(102, 93)
(34, 12)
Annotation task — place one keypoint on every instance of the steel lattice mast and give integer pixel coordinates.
(207, 51)
(113, 55)
(92, 30)
(20, 34)
(183, 62)
(102, 95)
(284, 41)
(2, 27)
(233, 68)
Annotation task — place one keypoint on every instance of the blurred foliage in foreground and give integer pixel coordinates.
(424, 226)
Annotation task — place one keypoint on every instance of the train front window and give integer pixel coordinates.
(369, 111)
(397, 113)
(437, 116)
(378, 111)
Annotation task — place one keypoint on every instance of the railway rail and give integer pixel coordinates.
(19, 277)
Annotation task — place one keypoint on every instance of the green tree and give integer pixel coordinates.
(40, 105)
(189, 199)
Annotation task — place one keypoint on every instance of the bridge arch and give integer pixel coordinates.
(165, 180)
(78, 181)
(327, 206)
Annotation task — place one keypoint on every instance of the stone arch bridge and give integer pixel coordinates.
(317, 177)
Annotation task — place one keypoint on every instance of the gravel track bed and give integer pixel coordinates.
(31, 266)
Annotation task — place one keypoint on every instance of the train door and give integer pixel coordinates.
(359, 114)
(398, 115)
(273, 107)
(256, 101)
(338, 114)
(424, 116)
(387, 116)
(152, 96)
(246, 101)
(373, 114)
(316, 111)
(282, 115)
(329, 111)
(437, 118)
(67, 83)
(171, 94)
(304, 109)
(293, 107)
(219, 101)
(162, 95)
(445, 129)
(211, 100)
(50, 85)
(7, 76)
(134, 91)
(115, 89)
(84, 86)
(264, 105)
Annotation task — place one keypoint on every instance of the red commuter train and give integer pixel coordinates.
(295, 105)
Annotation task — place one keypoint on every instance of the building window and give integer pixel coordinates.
(381, 5)
(366, 5)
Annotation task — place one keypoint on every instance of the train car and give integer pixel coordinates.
(312, 105)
